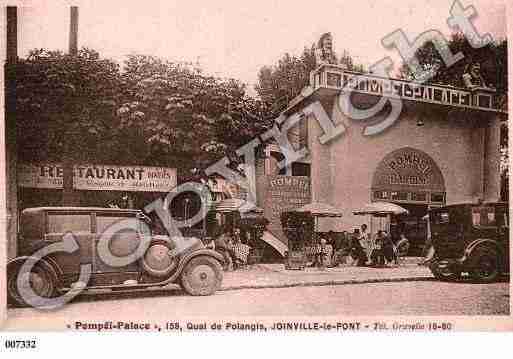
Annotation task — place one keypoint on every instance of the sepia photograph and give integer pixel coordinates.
(254, 167)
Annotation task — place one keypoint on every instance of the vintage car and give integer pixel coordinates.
(197, 269)
(471, 239)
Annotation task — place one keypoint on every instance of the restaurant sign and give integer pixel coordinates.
(99, 177)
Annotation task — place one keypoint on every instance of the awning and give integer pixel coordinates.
(274, 242)
(236, 205)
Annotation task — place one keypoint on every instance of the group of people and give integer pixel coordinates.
(234, 251)
(359, 248)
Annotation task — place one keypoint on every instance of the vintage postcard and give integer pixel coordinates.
(255, 167)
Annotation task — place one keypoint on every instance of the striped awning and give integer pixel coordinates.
(236, 205)
(274, 242)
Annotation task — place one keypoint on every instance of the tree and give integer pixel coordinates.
(65, 106)
(280, 83)
(492, 57)
(184, 117)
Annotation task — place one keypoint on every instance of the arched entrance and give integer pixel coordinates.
(413, 180)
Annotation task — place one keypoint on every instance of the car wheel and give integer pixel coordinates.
(40, 280)
(485, 265)
(202, 276)
(444, 274)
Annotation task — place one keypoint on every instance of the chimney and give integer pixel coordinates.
(73, 31)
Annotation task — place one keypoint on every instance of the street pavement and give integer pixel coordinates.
(276, 276)
(428, 297)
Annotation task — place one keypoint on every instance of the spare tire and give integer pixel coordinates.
(159, 260)
(485, 265)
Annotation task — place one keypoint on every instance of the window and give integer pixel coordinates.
(381, 194)
(484, 216)
(75, 223)
(419, 196)
(440, 217)
(399, 196)
(300, 169)
(437, 197)
(105, 221)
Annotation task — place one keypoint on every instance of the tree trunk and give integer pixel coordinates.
(69, 196)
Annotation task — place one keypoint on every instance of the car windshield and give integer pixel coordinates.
(447, 219)
(484, 216)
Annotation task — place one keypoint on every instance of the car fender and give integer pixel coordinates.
(478, 243)
(48, 263)
(186, 259)
(201, 252)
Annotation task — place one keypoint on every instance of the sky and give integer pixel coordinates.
(236, 38)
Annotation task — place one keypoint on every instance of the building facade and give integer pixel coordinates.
(443, 146)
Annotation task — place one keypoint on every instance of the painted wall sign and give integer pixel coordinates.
(283, 193)
(99, 177)
(406, 169)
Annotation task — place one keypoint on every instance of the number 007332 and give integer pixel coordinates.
(20, 344)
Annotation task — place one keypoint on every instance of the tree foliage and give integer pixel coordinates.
(155, 112)
(280, 83)
(184, 116)
(61, 97)
(492, 57)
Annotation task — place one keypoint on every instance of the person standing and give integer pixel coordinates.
(358, 249)
(388, 249)
(366, 243)
(378, 257)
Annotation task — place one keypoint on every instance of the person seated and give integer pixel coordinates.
(377, 256)
(239, 250)
(222, 244)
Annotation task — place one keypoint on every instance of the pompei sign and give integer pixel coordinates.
(99, 177)
(408, 168)
(284, 193)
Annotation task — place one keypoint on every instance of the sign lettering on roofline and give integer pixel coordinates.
(336, 78)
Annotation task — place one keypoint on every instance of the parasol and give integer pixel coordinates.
(318, 209)
(381, 209)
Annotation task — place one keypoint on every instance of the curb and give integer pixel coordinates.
(326, 283)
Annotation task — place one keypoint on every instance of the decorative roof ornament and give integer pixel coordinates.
(324, 52)
(473, 79)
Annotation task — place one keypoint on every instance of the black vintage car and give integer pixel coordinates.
(470, 238)
(189, 263)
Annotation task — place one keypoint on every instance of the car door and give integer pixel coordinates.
(447, 231)
(503, 231)
(70, 225)
(120, 241)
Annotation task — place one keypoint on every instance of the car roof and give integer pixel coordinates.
(470, 204)
(80, 209)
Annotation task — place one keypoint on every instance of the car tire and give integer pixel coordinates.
(42, 283)
(202, 275)
(485, 265)
(443, 275)
(150, 265)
